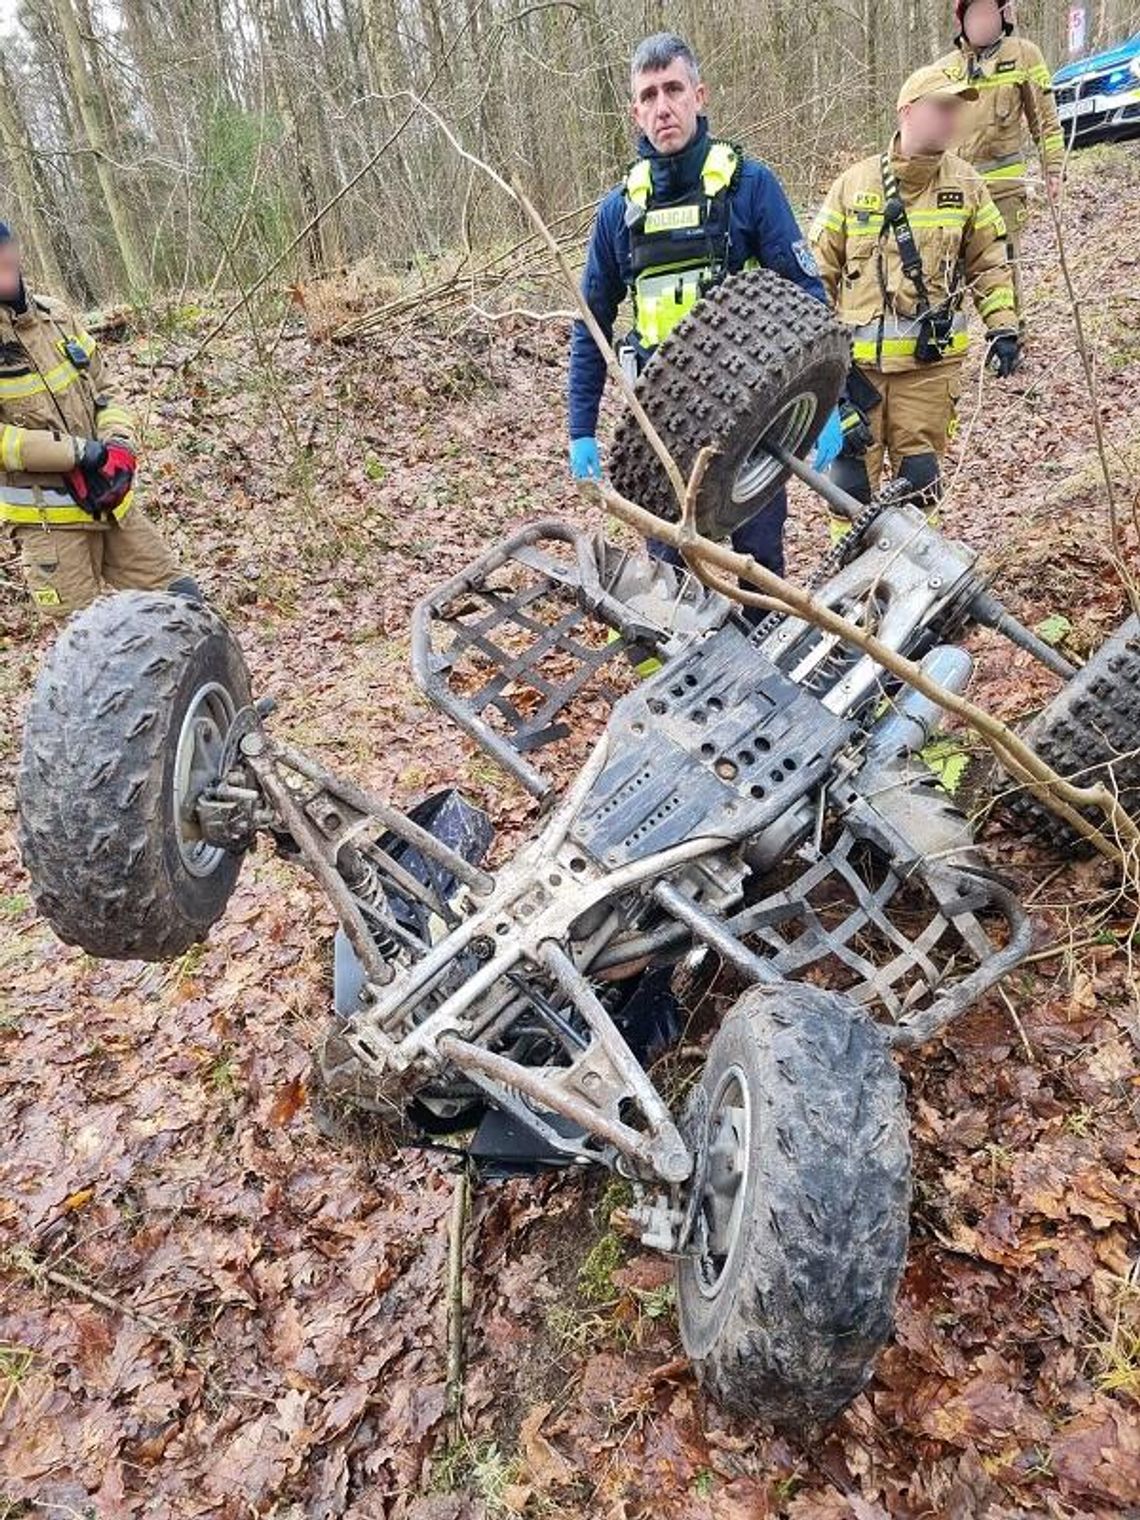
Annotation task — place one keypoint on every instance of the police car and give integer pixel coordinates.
(1099, 97)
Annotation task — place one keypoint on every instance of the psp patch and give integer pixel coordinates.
(804, 257)
(951, 198)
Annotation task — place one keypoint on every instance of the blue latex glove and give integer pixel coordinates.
(829, 442)
(585, 461)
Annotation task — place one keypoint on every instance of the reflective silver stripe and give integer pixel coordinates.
(1005, 162)
(35, 496)
(899, 327)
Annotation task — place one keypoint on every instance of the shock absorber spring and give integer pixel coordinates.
(830, 669)
(363, 880)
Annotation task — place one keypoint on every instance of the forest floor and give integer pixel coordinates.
(244, 1317)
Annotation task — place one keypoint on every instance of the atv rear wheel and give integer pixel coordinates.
(756, 361)
(1089, 733)
(802, 1221)
(125, 728)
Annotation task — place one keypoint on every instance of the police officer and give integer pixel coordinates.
(900, 239)
(67, 457)
(691, 209)
(1015, 99)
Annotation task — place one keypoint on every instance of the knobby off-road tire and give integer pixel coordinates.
(1090, 733)
(756, 358)
(786, 1324)
(127, 715)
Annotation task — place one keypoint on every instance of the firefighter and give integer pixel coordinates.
(67, 457)
(1015, 98)
(691, 209)
(900, 239)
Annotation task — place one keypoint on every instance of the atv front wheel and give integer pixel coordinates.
(802, 1217)
(757, 361)
(125, 728)
(1090, 733)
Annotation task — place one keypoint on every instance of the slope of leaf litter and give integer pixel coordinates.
(248, 1319)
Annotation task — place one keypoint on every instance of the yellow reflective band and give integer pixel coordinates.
(1052, 141)
(932, 220)
(992, 81)
(55, 380)
(55, 517)
(1001, 299)
(1007, 171)
(1041, 76)
(868, 350)
(639, 183)
(662, 301)
(12, 448)
(45, 596)
(107, 416)
(990, 216)
(664, 218)
(84, 339)
(825, 221)
(719, 167)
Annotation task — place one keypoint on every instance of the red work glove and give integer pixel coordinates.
(79, 481)
(103, 476)
(114, 478)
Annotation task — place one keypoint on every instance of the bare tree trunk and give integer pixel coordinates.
(272, 37)
(91, 114)
(16, 146)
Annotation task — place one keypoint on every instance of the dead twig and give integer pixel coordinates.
(39, 1272)
(455, 1231)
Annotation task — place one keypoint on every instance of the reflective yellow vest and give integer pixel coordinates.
(680, 250)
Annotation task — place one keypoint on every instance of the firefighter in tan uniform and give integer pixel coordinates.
(1015, 102)
(67, 458)
(900, 240)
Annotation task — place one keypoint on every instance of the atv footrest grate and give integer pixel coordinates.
(921, 945)
(511, 643)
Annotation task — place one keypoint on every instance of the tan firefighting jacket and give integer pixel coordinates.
(1015, 93)
(960, 236)
(55, 393)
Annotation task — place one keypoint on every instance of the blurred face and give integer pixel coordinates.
(9, 270)
(930, 125)
(982, 23)
(666, 104)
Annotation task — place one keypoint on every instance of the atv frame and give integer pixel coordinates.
(722, 764)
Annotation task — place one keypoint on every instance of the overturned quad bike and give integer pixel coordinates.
(756, 798)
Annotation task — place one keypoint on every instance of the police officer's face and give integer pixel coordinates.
(982, 23)
(666, 104)
(9, 270)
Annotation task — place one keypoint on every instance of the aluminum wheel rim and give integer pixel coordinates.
(197, 760)
(758, 469)
(721, 1214)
